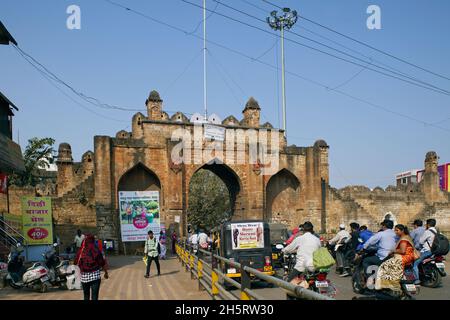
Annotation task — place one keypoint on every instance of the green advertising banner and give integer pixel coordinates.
(37, 220)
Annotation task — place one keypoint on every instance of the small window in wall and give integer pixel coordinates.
(404, 181)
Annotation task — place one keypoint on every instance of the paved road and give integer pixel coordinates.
(127, 282)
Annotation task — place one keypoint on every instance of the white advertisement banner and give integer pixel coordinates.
(247, 235)
(139, 212)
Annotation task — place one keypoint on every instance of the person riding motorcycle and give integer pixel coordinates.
(304, 245)
(339, 241)
(364, 235)
(385, 240)
(425, 242)
(295, 233)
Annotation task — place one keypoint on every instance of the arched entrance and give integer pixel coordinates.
(214, 192)
(139, 178)
(282, 193)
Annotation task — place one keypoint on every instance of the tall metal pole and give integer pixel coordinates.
(285, 21)
(204, 60)
(283, 80)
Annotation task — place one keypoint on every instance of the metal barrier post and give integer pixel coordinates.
(214, 278)
(199, 273)
(191, 266)
(245, 281)
(187, 257)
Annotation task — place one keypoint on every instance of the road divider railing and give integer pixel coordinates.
(215, 282)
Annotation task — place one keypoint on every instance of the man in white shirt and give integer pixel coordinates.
(78, 241)
(305, 245)
(426, 242)
(342, 237)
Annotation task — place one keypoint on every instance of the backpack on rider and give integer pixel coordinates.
(440, 245)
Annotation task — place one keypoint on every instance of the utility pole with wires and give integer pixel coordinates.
(282, 22)
(205, 105)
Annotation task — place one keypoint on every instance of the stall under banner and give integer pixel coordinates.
(247, 235)
(139, 213)
(37, 220)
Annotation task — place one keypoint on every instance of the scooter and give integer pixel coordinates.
(36, 277)
(431, 271)
(57, 269)
(316, 281)
(363, 281)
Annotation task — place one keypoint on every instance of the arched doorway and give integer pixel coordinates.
(214, 191)
(282, 191)
(137, 210)
(139, 178)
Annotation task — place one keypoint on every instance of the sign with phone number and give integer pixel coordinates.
(37, 220)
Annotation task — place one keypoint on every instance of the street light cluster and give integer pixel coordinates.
(285, 21)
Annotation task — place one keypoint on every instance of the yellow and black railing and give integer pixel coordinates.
(214, 281)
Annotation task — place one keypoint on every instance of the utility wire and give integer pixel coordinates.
(425, 85)
(91, 100)
(317, 83)
(50, 80)
(224, 80)
(183, 71)
(201, 21)
(366, 45)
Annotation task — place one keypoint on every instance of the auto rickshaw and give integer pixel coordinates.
(278, 235)
(246, 241)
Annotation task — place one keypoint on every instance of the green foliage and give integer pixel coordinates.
(37, 154)
(209, 200)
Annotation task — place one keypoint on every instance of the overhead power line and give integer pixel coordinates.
(317, 83)
(394, 75)
(365, 44)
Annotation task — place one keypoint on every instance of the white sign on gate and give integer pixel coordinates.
(214, 132)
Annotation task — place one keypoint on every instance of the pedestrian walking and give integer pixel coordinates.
(162, 245)
(90, 261)
(78, 241)
(174, 242)
(152, 251)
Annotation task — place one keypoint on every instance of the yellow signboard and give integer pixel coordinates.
(37, 220)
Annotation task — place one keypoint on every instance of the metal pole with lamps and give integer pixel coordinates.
(285, 21)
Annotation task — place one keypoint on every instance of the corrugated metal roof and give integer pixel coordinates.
(5, 36)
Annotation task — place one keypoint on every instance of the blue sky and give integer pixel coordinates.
(118, 57)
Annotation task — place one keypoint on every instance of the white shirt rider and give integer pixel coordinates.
(305, 245)
(340, 236)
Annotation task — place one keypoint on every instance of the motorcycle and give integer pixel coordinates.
(431, 271)
(363, 281)
(36, 277)
(316, 281)
(57, 269)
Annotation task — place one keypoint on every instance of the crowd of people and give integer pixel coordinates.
(395, 248)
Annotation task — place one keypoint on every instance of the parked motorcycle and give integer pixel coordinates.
(431, 271)
(316, 281)
(57, 268)
(36, 277)
(363, 281)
